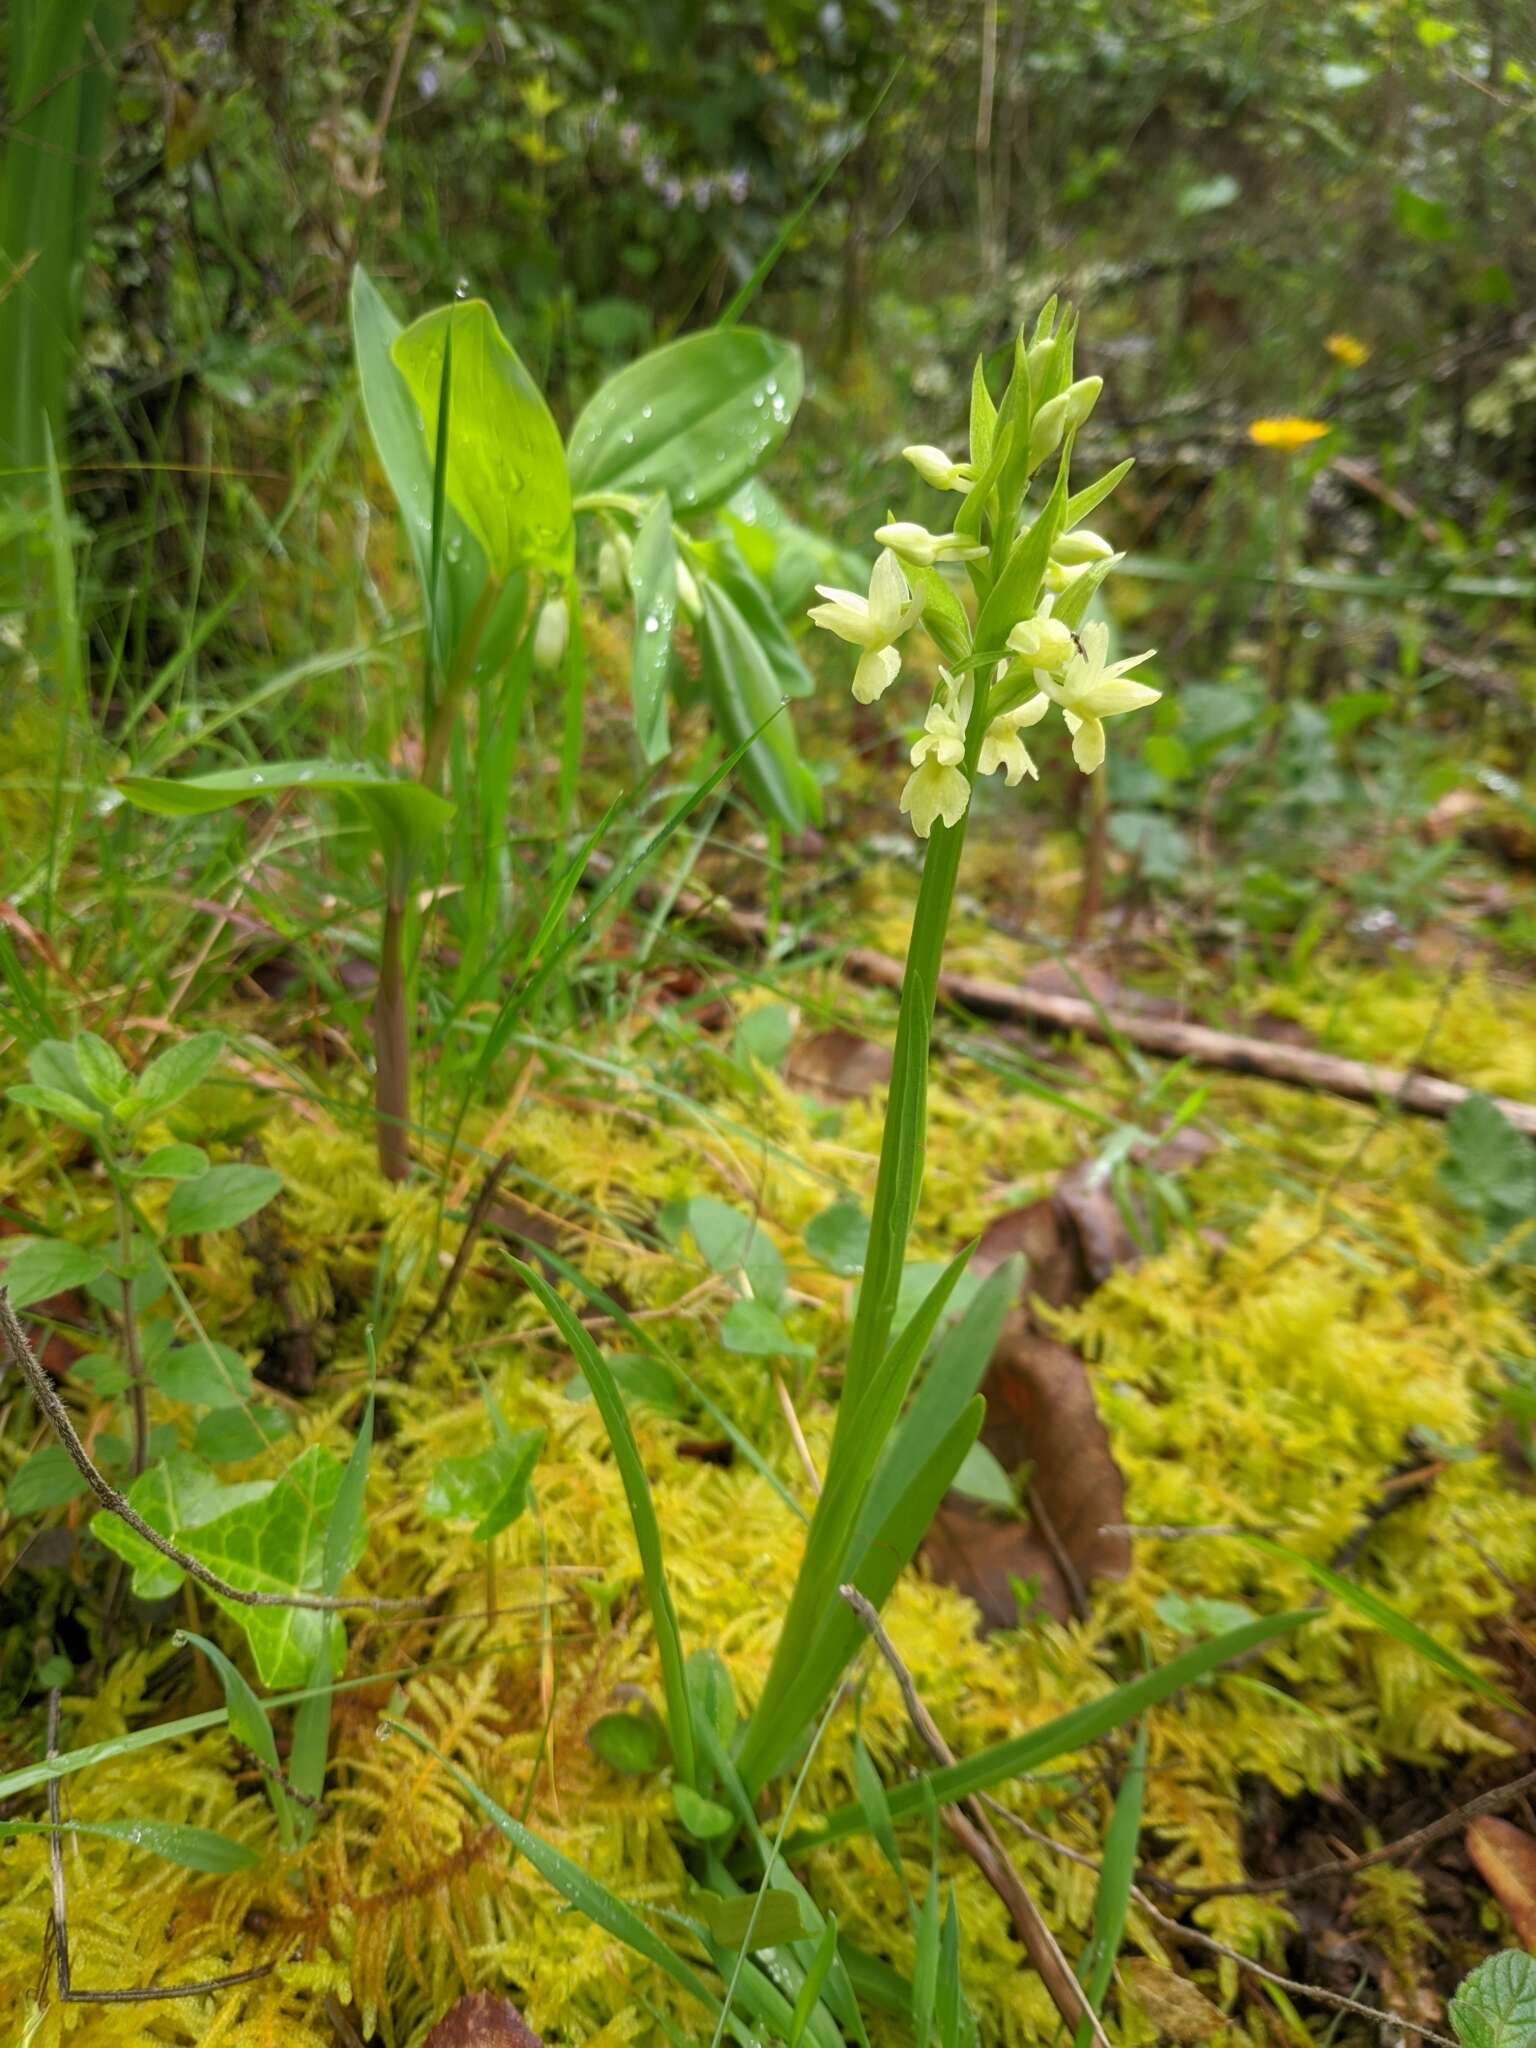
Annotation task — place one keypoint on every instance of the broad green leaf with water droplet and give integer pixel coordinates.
(692, 419)
(506, 474)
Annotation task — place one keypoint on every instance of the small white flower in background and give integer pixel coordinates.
(1092, 690)
(873, 623)
(1043, 642)
(939, 469)
(1002, 747)
(917, 545)
(937, 787)
(550, 635)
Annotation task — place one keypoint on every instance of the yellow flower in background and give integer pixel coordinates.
(1287, 434)
(1346, 349)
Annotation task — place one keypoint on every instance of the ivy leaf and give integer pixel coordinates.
(178, 1494)
(839, 1238)
(729, 1241)
(1495, 2007)
(705, 1819)
(222, 1197)
(230, 1435)
(629, 1743)
(276, 1544)
(41, 1267)
(774, 1917)
(489, 1488)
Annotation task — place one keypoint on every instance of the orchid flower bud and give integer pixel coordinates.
(550, 636)
(1045, 433)
(1075, 549)
(613, 568)
(938, 469)
(917, 545)
(1081, 398)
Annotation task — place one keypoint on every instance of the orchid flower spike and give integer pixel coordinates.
(917, 545)
(1092, 690)
(873, 623)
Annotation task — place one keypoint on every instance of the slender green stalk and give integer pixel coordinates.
(133, 1357)
(392, 1045)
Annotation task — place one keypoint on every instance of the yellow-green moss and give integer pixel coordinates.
(1268, 1381)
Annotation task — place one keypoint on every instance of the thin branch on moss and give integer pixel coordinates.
(58, 1925)
(1200, 1939)
(969, 1825)
(489, 1188)
(46, 1396)
(1494, 1801)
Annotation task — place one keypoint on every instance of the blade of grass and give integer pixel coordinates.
(1117, 1876)
(1072, 1731)
(1387, 1618)
(642, 1512)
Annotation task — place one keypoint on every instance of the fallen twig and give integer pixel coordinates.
(58, 1925)
(1297, 1066)
(970, 1827)
(46, 1396)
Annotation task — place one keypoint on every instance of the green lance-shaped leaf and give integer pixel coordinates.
(693, 419)
(506, 475)
(653, 578)
(642, 1514)
(248, 1723)
(405, 817)
(743, 691)
(192, 1848)
(407, 456)
(1075, 1730)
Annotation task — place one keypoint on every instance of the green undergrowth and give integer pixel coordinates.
(1273, 1370)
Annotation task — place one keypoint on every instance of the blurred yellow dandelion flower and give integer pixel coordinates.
(1348, 350)
(1285, 434)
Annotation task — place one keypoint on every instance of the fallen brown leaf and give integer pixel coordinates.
(1040, 1413)
(1506, 1860)
(837, 1065)
(482, 2020)
(1179, 2010)
(1073, 1238)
